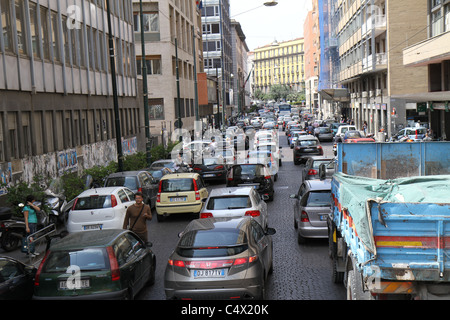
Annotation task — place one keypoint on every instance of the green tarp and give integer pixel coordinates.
(355, 192)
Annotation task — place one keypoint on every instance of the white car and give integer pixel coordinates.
(100, 208)
(235, 202)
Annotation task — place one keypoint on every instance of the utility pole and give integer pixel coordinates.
(178, 124)
(144, 79)
(114, 87)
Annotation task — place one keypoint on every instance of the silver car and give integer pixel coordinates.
(235, 202)
(311, 209)
(220, 258)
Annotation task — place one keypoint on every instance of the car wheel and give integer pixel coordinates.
(151, 278)
(300, 238)
(160, 217)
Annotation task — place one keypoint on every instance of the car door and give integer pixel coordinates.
(15, 283)
(127, 261)
(126, 200)
(142, 261)
(300, 193)
(263, 244)
(261, 206)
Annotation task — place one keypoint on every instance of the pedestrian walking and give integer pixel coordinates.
(30, 211)
(365, 127)
(136, 217)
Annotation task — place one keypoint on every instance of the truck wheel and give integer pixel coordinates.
(337, 277)
(354, 286)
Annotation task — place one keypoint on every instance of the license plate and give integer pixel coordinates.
(209, 175)
(323, 217)
(74, 284)
(211, 273)
(93, 227)
(177, 199)
(307, 150)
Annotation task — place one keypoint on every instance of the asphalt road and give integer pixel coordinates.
(301, 272)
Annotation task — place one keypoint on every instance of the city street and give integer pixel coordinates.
(300, 272)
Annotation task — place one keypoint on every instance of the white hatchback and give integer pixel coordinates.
(233, 202)
(100, 208)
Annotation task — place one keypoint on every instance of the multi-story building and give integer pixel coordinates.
(370, 38)
(312, 57)
(240, 74)
(217, 47)
(433, 53)
(280, 63)
(167, 21)
(56, 93)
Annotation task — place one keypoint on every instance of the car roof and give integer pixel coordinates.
(217, 223)
(230, 191)
(125, 173)
(87, 239)
(319, 184)
(182, 175)
(100, 191)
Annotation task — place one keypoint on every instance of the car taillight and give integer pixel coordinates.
(113, 201)
(115, 271)
(177, 263)
(218, 167)
(253, 213)
(197, 169)
(206, 215)
(320, 149)
(304, 217)
(197, 193)
(39, 270)
(158, 196)
(312, 172)
(267, 177)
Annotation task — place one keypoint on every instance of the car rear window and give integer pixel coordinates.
(249, 169)
(353, 135)
(212, 243)
(306, 143)
(177, 185)
(224, 203)
(325, 130)
(90, 259)
(129, 182)
(319, 199)
(93, 202)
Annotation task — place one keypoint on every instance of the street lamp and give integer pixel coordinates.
(270, 3)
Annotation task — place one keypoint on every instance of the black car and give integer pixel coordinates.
(306, 146)
(136, 181)
(16, 279)
(250, 174)
(212, 169)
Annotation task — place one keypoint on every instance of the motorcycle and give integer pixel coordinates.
(13, 229)
(56, 203)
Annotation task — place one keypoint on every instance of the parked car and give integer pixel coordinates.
(306, 146)
(99, 209)
(136, 181)
(236, 202)
(312, 164)
(220, 258)
(325, 134)
(411, 133)
(339, 137)
(250, 174)
(311, 209)
(95, 265)
(335, 126)
(16, 279)
(212, 169)
(182, 193)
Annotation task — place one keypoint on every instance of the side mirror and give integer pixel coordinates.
(149, 244)
(293, 196)
(270, 231)
(322, 171)
(264, 197)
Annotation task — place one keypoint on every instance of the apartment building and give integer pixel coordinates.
(240, 74)
(433, 53)
(56, 104)
(167, 21)
(280, 64)
(371, 35)
(217, 48)
(312, 57)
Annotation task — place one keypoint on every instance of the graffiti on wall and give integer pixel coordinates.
(67, 161)
(5, 177)
(129, 146)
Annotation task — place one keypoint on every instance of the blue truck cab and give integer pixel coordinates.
(389, 230)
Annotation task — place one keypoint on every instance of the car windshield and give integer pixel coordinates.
(212, 243)
(307, 143)
(176, 185)
(319, 199)
(89, 259)
(229, 202)
(129, 182)
(93, 202)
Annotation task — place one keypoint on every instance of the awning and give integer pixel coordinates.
(336, 95)
(424, 96)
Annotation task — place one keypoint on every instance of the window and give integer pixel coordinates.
(447, 17)
(156, 109)
(34, 30)
(44, 32)
(153, 64)
(151, 22)
(55, 36)
(6, 24)
(21, 31)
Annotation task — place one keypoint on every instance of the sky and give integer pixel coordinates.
(262, 25)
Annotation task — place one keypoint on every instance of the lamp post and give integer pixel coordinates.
(144, 78)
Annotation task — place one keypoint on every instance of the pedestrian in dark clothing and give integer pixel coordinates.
(136, 217)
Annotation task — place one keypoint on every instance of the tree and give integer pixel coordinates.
(279, 92)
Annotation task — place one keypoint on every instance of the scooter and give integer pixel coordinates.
(56, 203)
(12, 230)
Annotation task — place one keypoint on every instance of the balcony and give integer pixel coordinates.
(373, 63)
(378, 24)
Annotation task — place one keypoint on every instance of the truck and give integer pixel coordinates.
(389, 229)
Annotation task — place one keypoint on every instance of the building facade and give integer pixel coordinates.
(280, 64)
(241, 96)
(312, 57)
(167, 21)
(370, 38)
(433, 53)
(56, 104)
